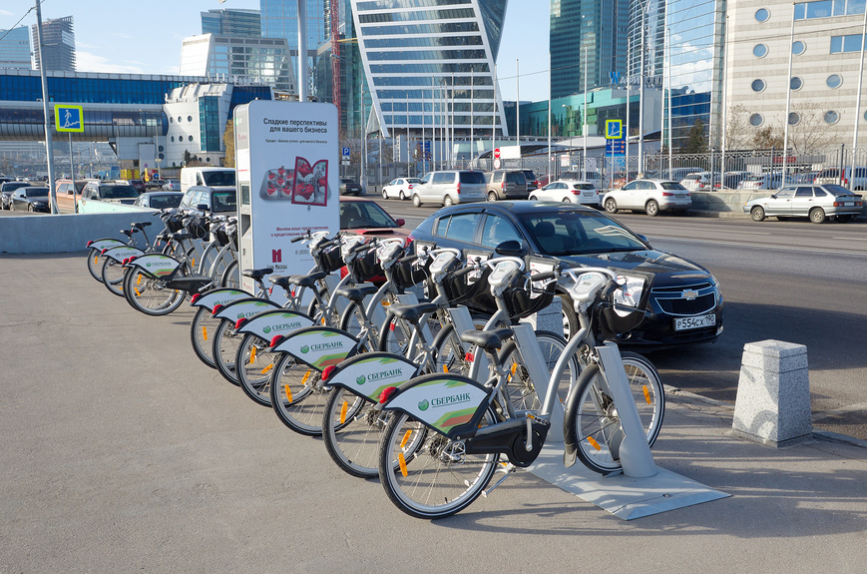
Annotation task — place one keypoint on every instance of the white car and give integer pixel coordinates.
(648, 195)
(569, 191)
(700, 181)
(400, 188)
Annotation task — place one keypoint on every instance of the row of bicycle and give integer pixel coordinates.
(427, 396)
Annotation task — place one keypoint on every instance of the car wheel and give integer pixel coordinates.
(416, 200)
(652, 208)
(757, 213)
(400, 195)
(384, 194)
(30, 208)
(534, 198)
(566, 200)
(492, 196)
(817, 215)
(447, 202)
(610, 205)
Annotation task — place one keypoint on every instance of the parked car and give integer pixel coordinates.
(171, 185)
(365, 217)
(507, 184)
(119, 191)
(139, 185)
(213, 200)
(68, 194)
(831, 175)
(648, 195)
(700, 181)
(155, 183)
(818, 202)
(764, 181)
(6, 190)
(32, 199)
(731, 180)
(580, 192)
(350, 187)
(159, 199)
(532, 180)
(681, 299)
(214, 177)
(450, 187)
(400, 188)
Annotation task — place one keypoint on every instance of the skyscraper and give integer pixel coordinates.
(15, 48)
(58, 44)
(239, 60)
(597, 28)
(280, 20)
(243, 23)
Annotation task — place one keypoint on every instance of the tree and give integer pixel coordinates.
(739, 132)
(696, 141)
(229, 144)
(811, 132)
(767, 137)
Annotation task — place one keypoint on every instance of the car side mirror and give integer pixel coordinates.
(203, 207)
(643, 238)
(512, 248)
(401, 222)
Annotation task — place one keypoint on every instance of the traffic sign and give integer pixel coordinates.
(615, 147)
(345, 152)
(613, 129)
(497, 163)
(497, 153)
(68, 118)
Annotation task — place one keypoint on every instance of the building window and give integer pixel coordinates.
(189, 118)
(756, 120)
(171, 120)
(173, 139)
(844, 44)
(796, 83)
(758, 85)
(760, 51)
(191, 138)
(179, 119)
(798, 47)
(762, 15)
(831, 117)
(834, 81)
(794, 118)
(828, 8)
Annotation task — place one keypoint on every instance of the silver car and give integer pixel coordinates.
(648, 195)
(450, 188)
(818, 202)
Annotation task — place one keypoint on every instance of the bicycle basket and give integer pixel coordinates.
(330, 259)
(175, 222)
(198, 228)
(460, 290)
(407, 274)
(611, 322)
(519, 301)
(366, 266)
(221, 235)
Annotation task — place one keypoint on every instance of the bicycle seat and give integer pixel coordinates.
(487, 340)
(256, 274)
(356, 294)
(308, 281)
(280, 280)
(129, 232)
(412, 313)
(141, 224)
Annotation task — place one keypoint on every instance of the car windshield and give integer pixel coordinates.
(587, 186)
(117, 191)
(672, 186)
(576, 233)
(37, 192)
(347, 181)
(413, 180)
(165, 201)
(472, 177)
(223, 201)
(219, 178)
(363, 215)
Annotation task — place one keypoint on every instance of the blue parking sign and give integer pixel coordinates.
(345, 152)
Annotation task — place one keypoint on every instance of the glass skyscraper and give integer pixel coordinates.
(15, 48)
(280, 20)
(58, 44)
(243, 23)
(595, 27)
(239, 60)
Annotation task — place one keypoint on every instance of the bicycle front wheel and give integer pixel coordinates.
(254, 365)
(202, 330)
(427, 475)
(298, 397)
(225, 349)
(150, 295)
(594, 420)
(112, 276)
(351, 431)
(93, 264)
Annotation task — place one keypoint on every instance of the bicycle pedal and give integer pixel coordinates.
(507, 469)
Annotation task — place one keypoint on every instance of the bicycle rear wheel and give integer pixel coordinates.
(593, 420)
(225, 349)
(93, 264)
(231, 276)
(298, 397)
(254, 365)
(351, 431)
(150, 295)
(112, 275)
(202, 330)
(521, 390)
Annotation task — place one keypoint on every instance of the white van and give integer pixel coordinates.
(450, 187)
(218, 178)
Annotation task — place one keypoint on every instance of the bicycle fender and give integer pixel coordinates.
(450, 404)
(318, 347)
(368, 374)
(271, 323)
(244, 309)
(220, 297)
(123, 252)
(156, 265)
(106, 243)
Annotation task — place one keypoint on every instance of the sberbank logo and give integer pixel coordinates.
(361, 380)
(266, 330)
(240, 315)
(305, 348)
(285, 326)
(385, 374)
(326, 346)
(422, 406)
(451, 400)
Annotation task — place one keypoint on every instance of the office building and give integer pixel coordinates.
(431, 63)
(15, 48)
(280, 20)
(58, 45)
(242, 23)
(239, 60)
(595, 28)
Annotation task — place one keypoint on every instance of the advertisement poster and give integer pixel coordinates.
(287, 170)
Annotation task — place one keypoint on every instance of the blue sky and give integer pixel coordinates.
(145, 37)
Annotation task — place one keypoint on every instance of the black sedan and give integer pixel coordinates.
(32, 199)
(350, 187)
(683, 302)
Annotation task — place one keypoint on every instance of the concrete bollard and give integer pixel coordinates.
(773, 399)
(548, 319)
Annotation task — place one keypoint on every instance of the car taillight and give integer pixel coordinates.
(459, 188)
(575, 191)
(410, 186)
(667, 194)
(503, 185)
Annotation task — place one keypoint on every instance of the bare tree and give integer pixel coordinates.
(739, 132)
(810, 132)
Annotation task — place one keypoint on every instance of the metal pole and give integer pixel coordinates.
(518, 105)
(472, 114)
(584, 113)
(423, 153)
(452, 142)
(670, 134)
(71, 160)
(363, 135)
(665, 42)
(788, 108)
(302, 50)
(48, 144)
(641, 98)
(408, 174)
(628, 102)
(433, 129)
(494, 120)
(722, 184)
(549, 120)
(858, 106)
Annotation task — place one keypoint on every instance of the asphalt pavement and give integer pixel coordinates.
(122, 452)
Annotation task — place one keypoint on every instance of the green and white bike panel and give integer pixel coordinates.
(319, 347)
(244, 309)
(222, 297)
(156, 265)
(106, 243)
(122, 252)
(368, 374)
(271, 323)
(450, 404)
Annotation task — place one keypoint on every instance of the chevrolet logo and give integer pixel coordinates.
(689, 294)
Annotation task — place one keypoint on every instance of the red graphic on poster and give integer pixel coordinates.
(311, 182)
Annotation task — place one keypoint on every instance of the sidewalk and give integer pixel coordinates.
(120, 451)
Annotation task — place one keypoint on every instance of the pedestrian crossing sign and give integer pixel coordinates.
(68, 118)
(613, 129)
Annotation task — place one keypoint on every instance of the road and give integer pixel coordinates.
(791, 281)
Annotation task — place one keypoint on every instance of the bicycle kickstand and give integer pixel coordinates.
(507, 469)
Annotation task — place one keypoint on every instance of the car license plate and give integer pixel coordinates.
(686, 323)
(848, 204)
